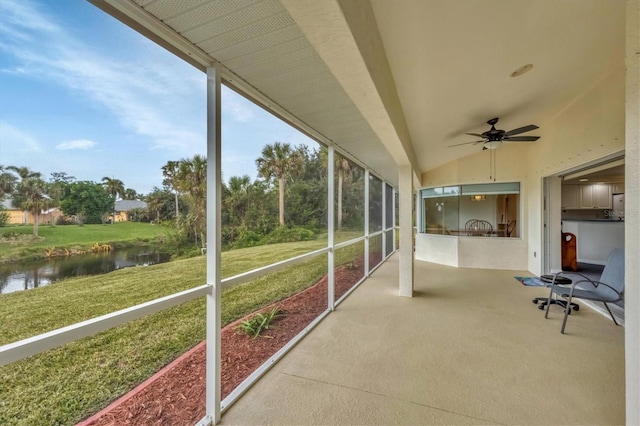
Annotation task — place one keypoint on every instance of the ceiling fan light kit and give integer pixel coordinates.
(493, 138)
(492, 145)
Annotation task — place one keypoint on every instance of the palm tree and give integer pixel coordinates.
(170, 171)
(281, 162)
(115, 187)
(192, 179)
(239, 195)
(130, 194)
(7, 182)
(343, 166)
(31, 196)
(344, 170)
(24, 172)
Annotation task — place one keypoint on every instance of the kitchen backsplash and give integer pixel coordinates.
(588, 214)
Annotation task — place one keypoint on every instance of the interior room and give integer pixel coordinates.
(593, 219)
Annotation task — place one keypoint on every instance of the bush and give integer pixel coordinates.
(247, 238)
(259, 322)
(65, 220)
(288, 235)
(4, 217)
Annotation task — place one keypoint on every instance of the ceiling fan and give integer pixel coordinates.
(493, 138)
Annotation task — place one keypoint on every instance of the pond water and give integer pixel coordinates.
(26, 275)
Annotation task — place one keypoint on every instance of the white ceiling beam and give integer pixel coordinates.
(345, 35)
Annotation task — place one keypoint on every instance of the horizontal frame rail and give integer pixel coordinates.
(348, 243)
(34, 345)
(255, 273)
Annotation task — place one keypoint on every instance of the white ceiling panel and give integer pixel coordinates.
(200, 16)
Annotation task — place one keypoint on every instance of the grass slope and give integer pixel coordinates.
(66, 384)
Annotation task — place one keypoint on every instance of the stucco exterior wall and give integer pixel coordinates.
(18, 217)
(591, 127)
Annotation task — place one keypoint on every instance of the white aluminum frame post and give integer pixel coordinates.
(331, 227)
(214, 177)
(384, 219)
(366, 222)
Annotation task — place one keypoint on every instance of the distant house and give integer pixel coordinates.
(18, 216)
(125, 207)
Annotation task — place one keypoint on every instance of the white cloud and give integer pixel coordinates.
(237, 108)
(150, 96)
(76, 144)
(17, 138)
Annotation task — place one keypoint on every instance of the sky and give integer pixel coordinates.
(82, 93)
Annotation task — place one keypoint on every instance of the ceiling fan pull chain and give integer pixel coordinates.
(494, 165)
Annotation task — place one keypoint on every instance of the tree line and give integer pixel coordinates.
(286, 202)
(85, 201)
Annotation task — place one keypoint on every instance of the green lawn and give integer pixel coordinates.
(71, 236)
(68, 383)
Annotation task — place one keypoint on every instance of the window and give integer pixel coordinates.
(452, 210)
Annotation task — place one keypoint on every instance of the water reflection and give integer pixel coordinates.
(26, 275)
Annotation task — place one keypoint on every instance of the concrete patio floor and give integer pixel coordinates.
(468, 348)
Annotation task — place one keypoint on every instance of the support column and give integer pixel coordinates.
(331, 226)
(419, 213)
(405, 265)
(632, 213)
(213, 394)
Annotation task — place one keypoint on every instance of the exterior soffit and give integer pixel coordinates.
(345, 35)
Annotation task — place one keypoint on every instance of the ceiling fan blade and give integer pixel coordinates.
(474, 134)
(466, 143)
(521, 138)
(521, 130)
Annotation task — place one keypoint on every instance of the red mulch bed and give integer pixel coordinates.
(176, 396)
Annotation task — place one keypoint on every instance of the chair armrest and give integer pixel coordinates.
(599, 283)
(565, 273)
(571, 287)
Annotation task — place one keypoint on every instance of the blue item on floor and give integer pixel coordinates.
(531, 281)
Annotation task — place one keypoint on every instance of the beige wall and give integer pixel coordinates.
(17, 217)
(496, 253)
(592, 126)
(589, 128)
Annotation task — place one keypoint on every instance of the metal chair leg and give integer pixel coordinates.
(566, 314)
(546, 313)
(612, 317)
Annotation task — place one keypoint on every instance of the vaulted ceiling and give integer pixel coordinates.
(396, 82)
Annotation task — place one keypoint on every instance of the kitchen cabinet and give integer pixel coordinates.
(617, 188)
(571, 196)
(595, 196)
